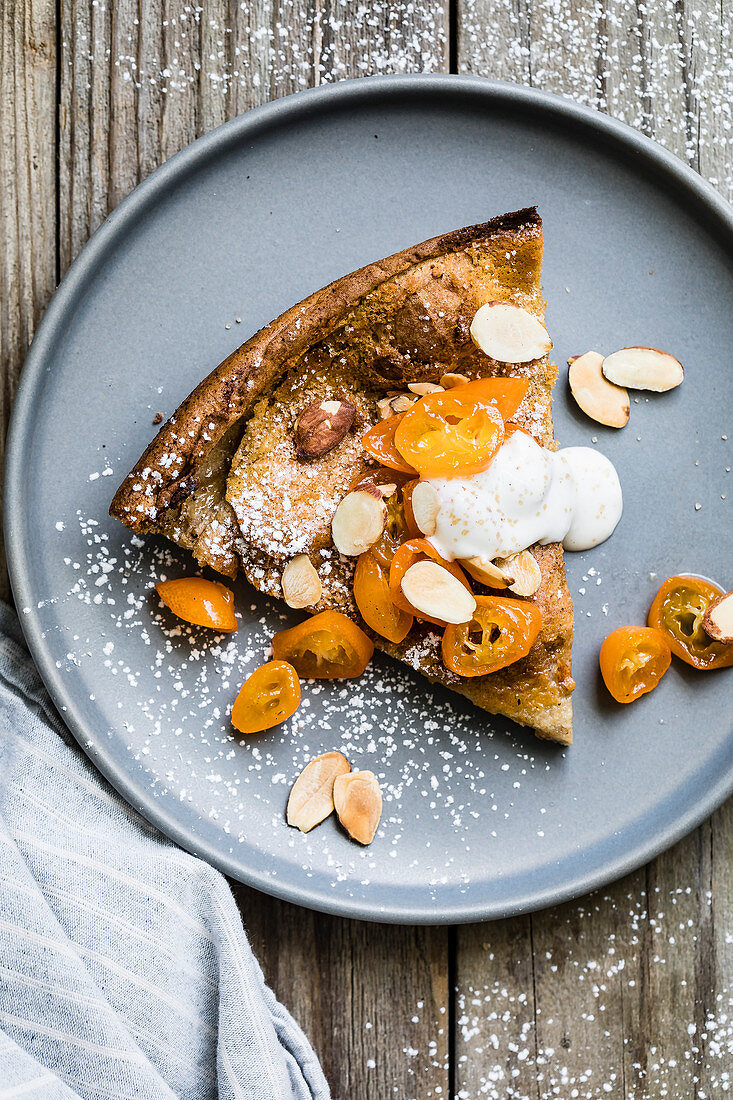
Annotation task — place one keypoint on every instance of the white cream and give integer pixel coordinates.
(598, 499)
(528, 495)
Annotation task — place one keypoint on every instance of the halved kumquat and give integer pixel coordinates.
(501, 632)
(678, 610)
(267, 697)
(199, 601)
(372, 596)
(329, 646)
(451, 433)
(633, 660)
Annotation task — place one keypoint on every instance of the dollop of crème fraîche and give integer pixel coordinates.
(528, 495)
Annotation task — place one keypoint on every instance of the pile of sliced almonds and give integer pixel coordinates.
(328, 783)
(398, 402)
(600, 385)
(520, 573)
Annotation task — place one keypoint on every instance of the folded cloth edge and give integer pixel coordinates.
(96, 979)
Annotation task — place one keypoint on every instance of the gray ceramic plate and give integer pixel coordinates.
(480, 819)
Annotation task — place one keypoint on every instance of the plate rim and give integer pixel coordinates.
(264, 117)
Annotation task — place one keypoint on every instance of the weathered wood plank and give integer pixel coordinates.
(495, 1011)
(665, 68)
(627, 982)
(373, 999)
(139, 82)
(614, 994)
(27, 188)
(716, 1039)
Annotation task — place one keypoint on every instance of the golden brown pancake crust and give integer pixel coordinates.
(222, 478)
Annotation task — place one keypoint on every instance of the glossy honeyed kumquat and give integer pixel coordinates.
(395, 531)
(633, 660)
(267, 697)
(380, 475)
(379, 442)
(372, 595)
(451, 433)
(411, 552)
(410, 522)
(501, 632)
(507, 394)
(200, 602)
(678, 610)
(328, 646)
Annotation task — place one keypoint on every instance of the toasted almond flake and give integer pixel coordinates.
(599, 399)
(448, 381)
(425, 507)
(526, 573)
(642, 368)
(402, 403)
(384, 407)
(358, 800)
(389, 489)
(311, 797)
(422, 389)
(509, 333)
(487, 572)
(359, 520)
(300, 582)
(718, 619)
(433, 590)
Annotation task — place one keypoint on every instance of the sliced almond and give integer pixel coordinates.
(311, 798)
(422, 389)
(487, 572)
(359, 520)
(643, 369)
(448, 381)
(389, 489)
(599, 399)
(509, 333)
(358, 802)
(523, 568)
(300, 582)
(425, 507)
(718, 619)
(395, 403)
(433, 590)
(402, 403)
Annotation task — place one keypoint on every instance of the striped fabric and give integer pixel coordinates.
(124, 968)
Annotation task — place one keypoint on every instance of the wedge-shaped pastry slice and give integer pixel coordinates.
(249, 471)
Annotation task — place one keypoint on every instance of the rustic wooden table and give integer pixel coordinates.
(626, 993)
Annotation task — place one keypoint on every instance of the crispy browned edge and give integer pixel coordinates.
(165, 475)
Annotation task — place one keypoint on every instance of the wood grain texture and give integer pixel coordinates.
(373, 999)
(624, 993)
(140, 82)
(27, 189)
(665, 68)
(625, 985)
